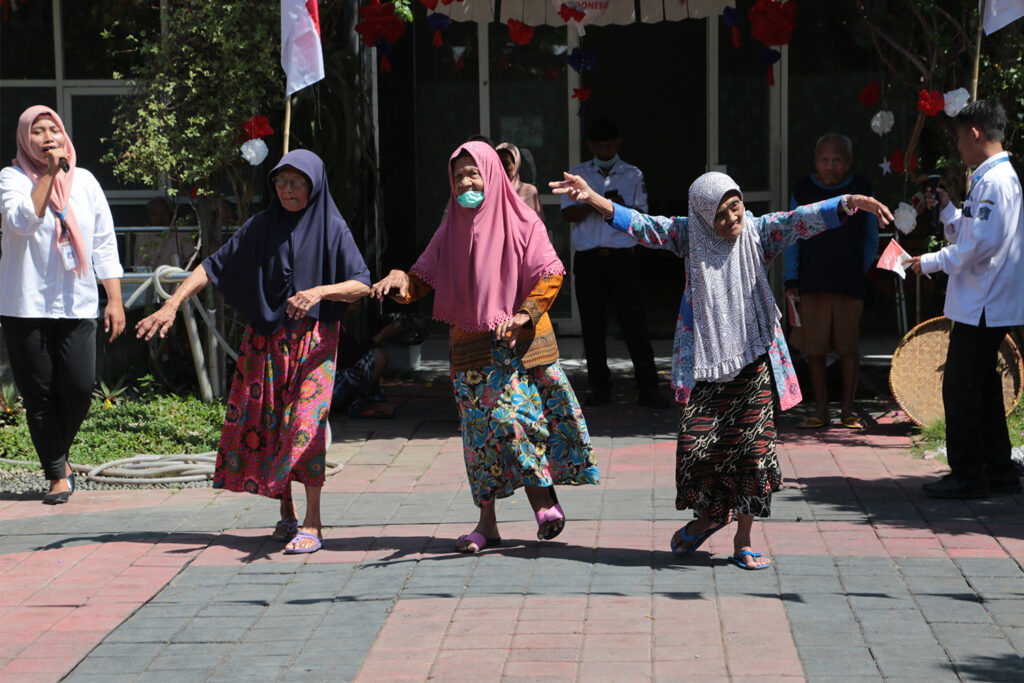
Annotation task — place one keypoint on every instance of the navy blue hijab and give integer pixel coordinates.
(279, 252)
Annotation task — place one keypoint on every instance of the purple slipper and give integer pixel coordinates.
(302, 551)
(550, 523)
(477, 539)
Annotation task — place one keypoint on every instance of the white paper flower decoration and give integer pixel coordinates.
(254, 151)
(881, 123)
(956, 100)
(905, 218)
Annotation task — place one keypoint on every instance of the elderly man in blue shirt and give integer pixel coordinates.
(984, 299)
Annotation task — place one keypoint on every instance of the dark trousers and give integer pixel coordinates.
(606, 276)
(977, 441)
(54, 365)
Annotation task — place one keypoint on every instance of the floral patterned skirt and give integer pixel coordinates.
(275, 429)
(725, 455)
(521, 427)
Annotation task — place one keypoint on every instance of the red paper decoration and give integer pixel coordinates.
(430, 4)
(569, 13)
(931, 103)
(581, 94)
(870, 95)
(257, 127)
(377, 21)
(519, 33)
(900, 163)
(772, 22)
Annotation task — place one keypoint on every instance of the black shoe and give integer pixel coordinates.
(952, 486)
(71, 482)
(56, 498)
(653, 399)
(1008, 486)
(597, 398)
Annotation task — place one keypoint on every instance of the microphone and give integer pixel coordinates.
(62, 163)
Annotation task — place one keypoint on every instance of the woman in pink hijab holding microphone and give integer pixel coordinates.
(58, 238)
(494, 275)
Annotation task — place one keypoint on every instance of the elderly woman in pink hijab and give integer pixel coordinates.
(512, 161)
(58, 238)
(494, 275)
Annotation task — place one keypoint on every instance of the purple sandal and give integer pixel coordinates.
(301, 551)
(550, 523)
(477, 539)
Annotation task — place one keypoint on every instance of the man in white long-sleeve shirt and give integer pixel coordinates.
(984, 298)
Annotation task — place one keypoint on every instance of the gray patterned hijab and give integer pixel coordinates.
(734, 311)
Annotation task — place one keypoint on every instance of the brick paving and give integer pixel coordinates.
(870, 580)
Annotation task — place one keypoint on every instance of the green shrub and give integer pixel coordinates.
(145, 423)
(933, 435)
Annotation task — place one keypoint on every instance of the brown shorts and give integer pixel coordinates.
(828, 321)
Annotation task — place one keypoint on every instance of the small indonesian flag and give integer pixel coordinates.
(893, 257)
(302, 57)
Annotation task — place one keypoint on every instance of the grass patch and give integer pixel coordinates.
(144, 423)
(931, 437)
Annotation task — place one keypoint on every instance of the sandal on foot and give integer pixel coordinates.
(738, 560)
(550, 523)
(812, 423)
(476, 538)
(301, 551)
(853, 422)
(697, 540)
(285, 530)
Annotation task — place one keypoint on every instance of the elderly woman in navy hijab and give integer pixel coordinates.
(290, 271)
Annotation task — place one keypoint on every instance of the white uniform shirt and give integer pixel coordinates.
(985, 260)
(593, 231)
(33, 281)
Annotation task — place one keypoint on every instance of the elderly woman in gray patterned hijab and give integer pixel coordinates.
(729, 354)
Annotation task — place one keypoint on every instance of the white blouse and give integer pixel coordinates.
(33, 281)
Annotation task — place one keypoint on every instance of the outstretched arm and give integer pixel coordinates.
(161, 321)
(656, 232)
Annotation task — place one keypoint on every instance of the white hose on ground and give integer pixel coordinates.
(147, 468)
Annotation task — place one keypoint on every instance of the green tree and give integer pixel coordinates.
(213, 66)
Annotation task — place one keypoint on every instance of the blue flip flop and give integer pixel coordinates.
(301, 551)
(686, 538)
(735, 559)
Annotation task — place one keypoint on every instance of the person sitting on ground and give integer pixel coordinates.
(357, 390)
(728, 347)
(494, 275)
(825, 277)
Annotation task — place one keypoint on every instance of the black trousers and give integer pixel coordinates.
(606, 276)
(977, 441)
(54, 365)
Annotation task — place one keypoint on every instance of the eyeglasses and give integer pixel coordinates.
(290, 183)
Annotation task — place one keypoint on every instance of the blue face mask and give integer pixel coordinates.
(602, 163)
(470, 199)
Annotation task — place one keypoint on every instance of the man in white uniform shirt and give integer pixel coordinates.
(605, 269)
(984, 299)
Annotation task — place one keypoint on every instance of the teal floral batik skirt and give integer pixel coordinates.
(521, 427)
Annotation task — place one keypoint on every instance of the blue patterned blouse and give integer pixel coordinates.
(776, 231)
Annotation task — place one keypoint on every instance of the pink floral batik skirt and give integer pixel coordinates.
(275, 429)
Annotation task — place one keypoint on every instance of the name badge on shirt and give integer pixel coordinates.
(67, 254)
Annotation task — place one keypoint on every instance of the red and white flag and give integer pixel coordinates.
(301, 54)
(893, 257)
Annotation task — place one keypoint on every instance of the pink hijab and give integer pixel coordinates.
(484, 262)
(34, 167)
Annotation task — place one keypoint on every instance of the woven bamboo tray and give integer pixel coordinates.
(919, 363)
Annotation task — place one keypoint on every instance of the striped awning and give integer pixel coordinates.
(597, 12)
